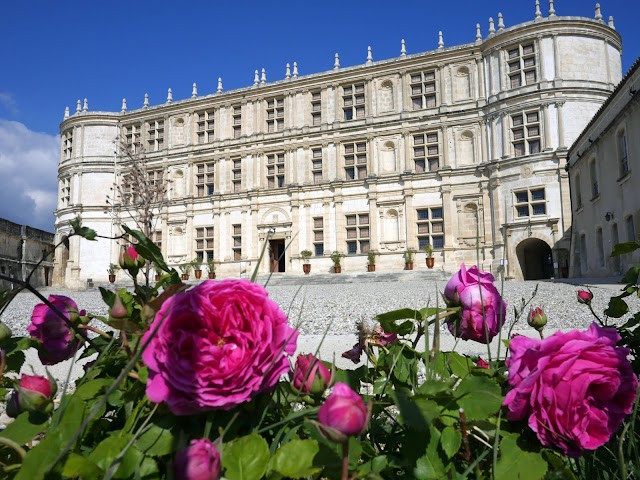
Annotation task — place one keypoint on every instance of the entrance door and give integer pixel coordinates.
(276, 255)
(535, 259)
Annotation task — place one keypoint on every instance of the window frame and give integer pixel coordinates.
(531, 203)
(361, 228)
(425, 221)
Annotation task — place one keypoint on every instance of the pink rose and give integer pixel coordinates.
(217, 346)
(574, 388)
(33, 394)
(199, 461)
(58, 340)
(585, 297)
(482, 307)
(130, 258)
(310, 375)
(343, 414)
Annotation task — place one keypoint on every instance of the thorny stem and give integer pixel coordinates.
(345, 460)
(96, 330)
(466, 449)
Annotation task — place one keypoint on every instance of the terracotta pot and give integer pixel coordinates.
(430, 262)
(408, 265)
(158, 276)
(112, 278)
(306, 268)
(185, 276)
(337, 269)
(198, 274)
(212, 275)
(371, 268)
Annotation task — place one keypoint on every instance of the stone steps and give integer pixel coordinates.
(277, 279)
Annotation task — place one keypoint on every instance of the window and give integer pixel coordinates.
(530, 202)
(578, 191)
(67, 144)
(355, 160)
(316, 108)
(318, 236)
(316, 164)
(623, 158)
(595, 189)
(357, 233)
(430, 227)
(236, 173)
(204, 243)
(237, 242)
(525, 133)
(205, 126)
(132, 137)
(65, 192)
(204, 179)
(353, 101)
(600, 246)
(275, 115)
(156, 237)
(631, 229)
(275, 170)
(423, 89)
(521, 65)
(155, 135)
(155, 179)
(237, 122)
(426, 152)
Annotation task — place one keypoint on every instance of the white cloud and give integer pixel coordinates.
(29, 171)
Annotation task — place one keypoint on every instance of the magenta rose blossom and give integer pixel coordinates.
(574, 388)
(58, 340)
(343, 412)
(481, 305)
(217, 345)
(199, 461)
(310, 375)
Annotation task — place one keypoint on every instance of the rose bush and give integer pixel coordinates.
(574, 389)
(215, 346)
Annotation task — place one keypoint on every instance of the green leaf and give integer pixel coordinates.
(433, 387)
(480, 397)
(617, 308)
(93, 388)
(25, 427)
(622, 248)
(81, 231)
(156, 441)
(456, 364)
(632, 275)
(450, 441)
(430, 465)
(69, 417)
(388, 320)
(246, 458)
(517, 463)
(295, 459)
(40, 459)
(147, 248)
(78, 466)
(410, 413)
(14, 361)
(108, 449)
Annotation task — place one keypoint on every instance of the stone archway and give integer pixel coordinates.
(535, 259)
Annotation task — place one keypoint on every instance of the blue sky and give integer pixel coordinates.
(57, 52)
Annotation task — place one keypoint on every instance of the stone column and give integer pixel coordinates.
(493, 124)
(484, 141)
(374, 237)
(410, 233)
(407, 141)
(296, 226)
(505, 134)
(339, 233)
(547, 128)
(560, 125)
(556, 57)
(446, 133)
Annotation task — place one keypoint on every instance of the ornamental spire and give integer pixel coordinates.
(336, 62)
(85, 106)
(295, 69)
(598, 13)
(500, 22)
(66, 112)
(263, 78)
(287, 73)
(403, 49)
(611, 25)
(146, 101)
(256, 79)
(492, 28)
(219, 85)
(194, 91)
(369, 56)
(78, 106)
(440, 41)
(478, 33)
(169, 96)
(124, 106)
(552, 11)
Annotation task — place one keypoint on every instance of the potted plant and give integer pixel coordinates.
(211, 266)
(306, 266)
(185, 268)
(197, 267)
(335, 258)
(428, 249)
(113, 268)
(371, 258)
(408, 259)
(158, 271)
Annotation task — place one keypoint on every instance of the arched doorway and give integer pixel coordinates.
(534, 257)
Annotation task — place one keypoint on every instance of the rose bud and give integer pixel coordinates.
(310, 375)
(585, 297)
(131, 259)
(537, 319)
(33, 394)
(343, 414)
(118, 310)
(199, 461)
(482, 364)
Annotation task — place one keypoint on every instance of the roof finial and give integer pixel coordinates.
(538, 12)
(552, 11)
(146, 101)
(256, 78)
(403, 49)
(169, 96)
(500, 22)
(66, 112)
(611, 25)
(295, 69)
(492, 28)
(124, 106)
(369, 56)
(598, 15)
(287, 73)
(440, 41)
(336, 61)
(219, 85)
(85, 106)
(263, 78)
(194, 91)
(478, 33)
(78, 106)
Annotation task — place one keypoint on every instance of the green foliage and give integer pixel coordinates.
(81, 231)
(336, 257)
(306, 255)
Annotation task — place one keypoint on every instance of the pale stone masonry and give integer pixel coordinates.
(444, 146)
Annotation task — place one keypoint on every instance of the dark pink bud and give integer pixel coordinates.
(585, 297)
(199, 461)
(130, 258)
(310, 375)
(482, 364)
(34, 394)
(343, 414)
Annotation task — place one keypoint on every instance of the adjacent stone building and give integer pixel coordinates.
(462, 147)
(604, 173)
(21, 248)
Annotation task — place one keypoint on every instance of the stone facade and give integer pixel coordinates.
(604, 173)
(447, 146)
(21, 248)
